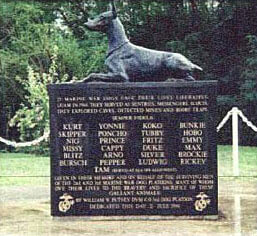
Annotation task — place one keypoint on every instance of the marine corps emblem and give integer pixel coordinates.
(203, 202)
(66, 201)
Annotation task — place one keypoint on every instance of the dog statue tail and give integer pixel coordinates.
(196, 67)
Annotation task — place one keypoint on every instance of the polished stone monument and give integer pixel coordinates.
(141, 149)
(134, 150)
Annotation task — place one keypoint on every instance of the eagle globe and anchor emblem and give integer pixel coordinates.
(203, 202)
(66, 201)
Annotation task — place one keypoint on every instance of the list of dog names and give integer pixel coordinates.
(72, 149)
(112, 140)
(141, 151)
(192, 139)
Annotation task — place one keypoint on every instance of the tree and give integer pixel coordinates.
(28, 36)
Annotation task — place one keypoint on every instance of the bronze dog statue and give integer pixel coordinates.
(127, 62)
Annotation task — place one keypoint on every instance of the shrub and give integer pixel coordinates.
(32, 119)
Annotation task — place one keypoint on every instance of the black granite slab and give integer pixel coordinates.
(133, 149)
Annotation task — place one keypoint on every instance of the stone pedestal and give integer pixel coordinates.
(134, 150)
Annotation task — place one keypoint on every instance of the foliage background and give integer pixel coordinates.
(219, 35)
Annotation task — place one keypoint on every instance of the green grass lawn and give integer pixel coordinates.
(247, 161)
(25, 169)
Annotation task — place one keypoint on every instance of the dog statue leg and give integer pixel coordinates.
(110, 77)
(189, 77)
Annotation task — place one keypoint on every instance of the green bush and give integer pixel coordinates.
(32, 119)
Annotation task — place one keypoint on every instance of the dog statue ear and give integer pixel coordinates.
(113, 9)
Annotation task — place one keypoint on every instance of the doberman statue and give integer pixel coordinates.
(127, 62)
